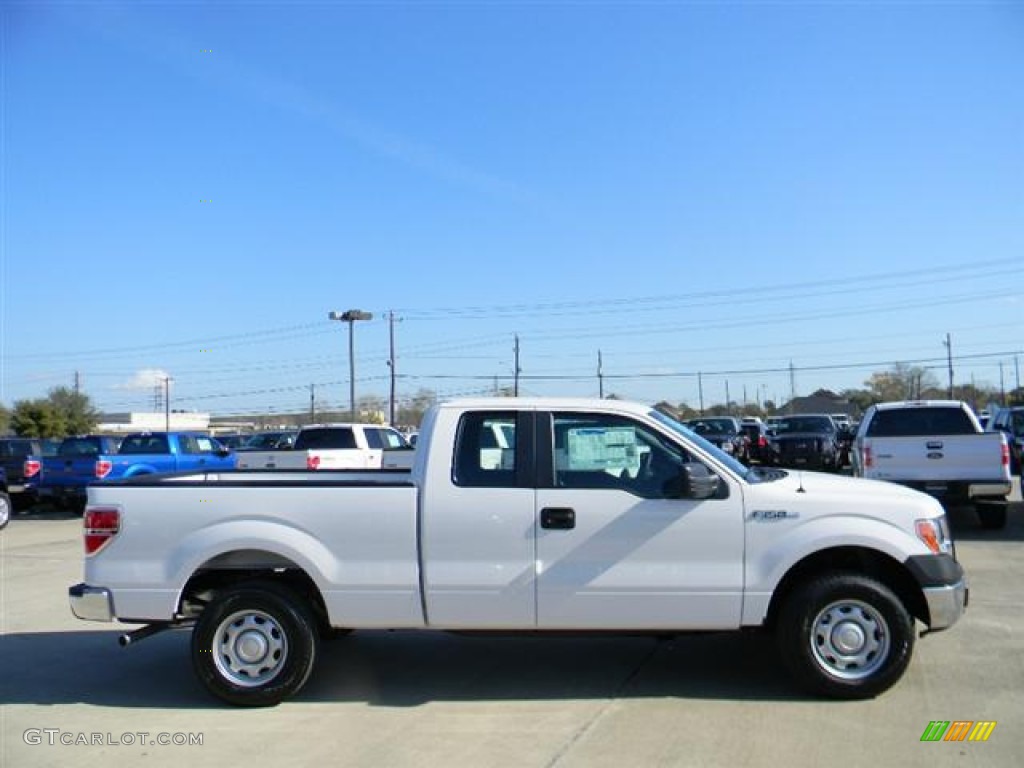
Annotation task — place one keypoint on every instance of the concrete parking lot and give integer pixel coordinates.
(424, 699)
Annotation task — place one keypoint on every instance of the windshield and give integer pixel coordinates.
(721, 456)
(796, 424)
(712, 426)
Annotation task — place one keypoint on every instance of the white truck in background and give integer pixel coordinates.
(936, 446)
(524, 515)
(336, 446)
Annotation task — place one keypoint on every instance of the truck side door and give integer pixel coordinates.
(478, 553)
(617, 547)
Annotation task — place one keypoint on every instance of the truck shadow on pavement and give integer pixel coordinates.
(405, 669)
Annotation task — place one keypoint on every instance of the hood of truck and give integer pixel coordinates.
(820, 494)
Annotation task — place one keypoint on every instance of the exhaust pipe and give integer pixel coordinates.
(143, 632)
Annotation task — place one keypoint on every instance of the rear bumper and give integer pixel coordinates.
(76, 492)
(959, 490)
(91, 603)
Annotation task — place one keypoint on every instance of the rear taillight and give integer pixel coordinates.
(869, 460)
(102, 468)
(762, 442)
(100, 525)
(1006, 455)
(31, 468)
(312, 462)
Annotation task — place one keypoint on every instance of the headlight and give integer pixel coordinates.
(934, 532)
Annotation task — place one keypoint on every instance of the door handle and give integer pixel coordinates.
(559, 518)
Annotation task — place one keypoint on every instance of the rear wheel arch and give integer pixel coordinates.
(229, 569)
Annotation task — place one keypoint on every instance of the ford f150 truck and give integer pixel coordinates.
(82, 461)
(599, 516)
(62, 478)
(14, 451)
(936, 446)
(147, 453)
(336, 446)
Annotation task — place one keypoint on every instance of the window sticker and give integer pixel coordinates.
(602, 448)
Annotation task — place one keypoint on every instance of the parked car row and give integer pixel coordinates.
(807, 441)
(61, 476)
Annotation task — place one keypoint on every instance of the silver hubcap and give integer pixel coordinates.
(5, 511)
(850, 639)
(249, 648)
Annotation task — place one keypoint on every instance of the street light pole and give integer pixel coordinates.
(351, 316)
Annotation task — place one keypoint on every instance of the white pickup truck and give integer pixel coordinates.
(336, 446)
(936, 446)
(597, 515)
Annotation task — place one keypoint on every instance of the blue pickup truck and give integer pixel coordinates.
(142, 453)
(61, 479)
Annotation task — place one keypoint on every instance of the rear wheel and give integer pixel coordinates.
(991, 514)
(845, 636)
(255, 644)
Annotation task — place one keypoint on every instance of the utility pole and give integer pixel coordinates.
(792, 385)
(312, 403)
(1016, 370)
(515, 387)
(167, 403)
(949, 358)
(1002, 386)
(78, 384)
(700, 392)
(600, 376)
(391, 366)
(727, 398)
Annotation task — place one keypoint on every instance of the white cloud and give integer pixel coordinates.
(147, 378)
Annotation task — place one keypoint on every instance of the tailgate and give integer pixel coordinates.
(68, 472)
(937, 459)
(271, 459)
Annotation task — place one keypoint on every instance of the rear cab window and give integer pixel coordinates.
(326, 438)
(485, 450)
(920, 422)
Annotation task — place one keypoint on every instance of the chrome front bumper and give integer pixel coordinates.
(946, 604)
(91, 603)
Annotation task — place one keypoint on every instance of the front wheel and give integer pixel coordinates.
(255, 644)
(5, 510)
(845, 636)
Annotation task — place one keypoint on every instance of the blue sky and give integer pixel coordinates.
(189, 188)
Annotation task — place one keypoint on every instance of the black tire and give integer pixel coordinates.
(255, 644)
(991, 514)
(6, 510)
(865, 615)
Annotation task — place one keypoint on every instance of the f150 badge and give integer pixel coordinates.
(771, 515)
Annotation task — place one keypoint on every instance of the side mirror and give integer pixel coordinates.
(223, 452)
(696, 481)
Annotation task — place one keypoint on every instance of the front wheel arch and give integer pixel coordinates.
(867, 562)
